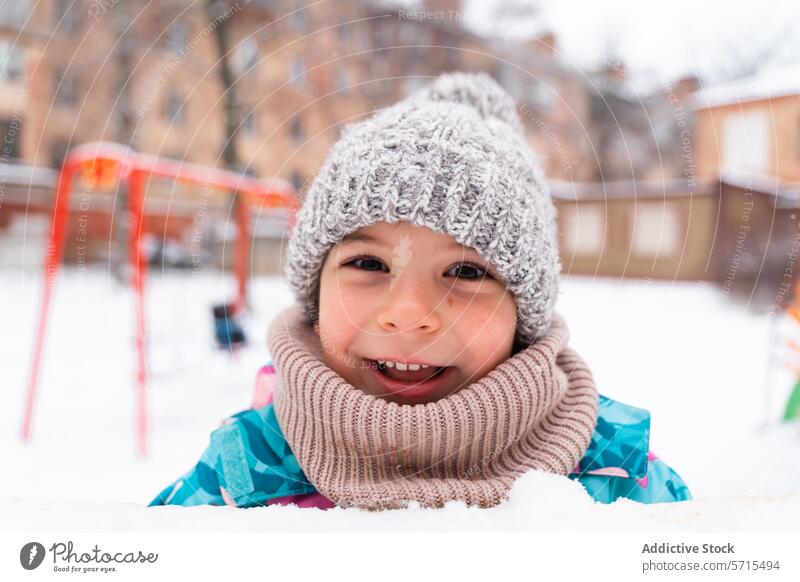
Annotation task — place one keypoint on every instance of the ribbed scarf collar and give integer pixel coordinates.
(536, 410)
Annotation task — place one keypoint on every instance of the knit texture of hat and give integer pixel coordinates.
(453, 158)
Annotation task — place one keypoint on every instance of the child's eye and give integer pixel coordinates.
(368, 264)
(468, 271)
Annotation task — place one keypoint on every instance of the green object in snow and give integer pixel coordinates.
(793, 405)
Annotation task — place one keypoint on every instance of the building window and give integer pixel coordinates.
(10, 146)
(298, 72)
(410, 33)
(11, 64)
(250, 123)
(246, 55)
(66, 16)
(296, 130)
(58, 150)
(656, 230)
(745, 141)
(66, 87)
(176, 37)
(297, 180)
(510, 78)
(342, 32)
(341, 79)
(453, 56)
(412, 84)
(14, 12)
(299, 17)
(541, 94)
(583, 229)
(174, 108)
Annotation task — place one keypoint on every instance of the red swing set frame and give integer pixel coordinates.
(110, 162)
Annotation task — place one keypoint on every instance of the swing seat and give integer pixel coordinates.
(228, 330)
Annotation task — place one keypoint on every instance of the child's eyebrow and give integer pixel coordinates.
(363, 237)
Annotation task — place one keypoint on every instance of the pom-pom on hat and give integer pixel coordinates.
(451, 157)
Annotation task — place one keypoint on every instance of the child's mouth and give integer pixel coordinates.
(409, 384)
(407, 375)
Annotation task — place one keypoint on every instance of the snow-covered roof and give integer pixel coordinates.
(771, 83)
(23, 175)
(783, 194)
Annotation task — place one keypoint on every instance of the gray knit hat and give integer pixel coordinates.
(451, 157)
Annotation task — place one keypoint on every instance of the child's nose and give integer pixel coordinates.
(410, 309)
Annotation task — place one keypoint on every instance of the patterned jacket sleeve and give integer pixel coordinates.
(661, 484)
(247, 464)
(199, 486)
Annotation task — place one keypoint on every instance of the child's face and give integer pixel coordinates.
(408, 294)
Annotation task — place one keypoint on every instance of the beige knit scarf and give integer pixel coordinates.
(536, 410)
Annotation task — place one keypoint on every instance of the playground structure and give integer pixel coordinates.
(103, 163)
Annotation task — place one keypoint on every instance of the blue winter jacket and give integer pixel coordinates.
(249, 463)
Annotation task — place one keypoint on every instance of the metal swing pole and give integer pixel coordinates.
(55, 249)
(139, 270)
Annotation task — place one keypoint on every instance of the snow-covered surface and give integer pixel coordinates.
(772, 83)
(538, 502)
(692, 357)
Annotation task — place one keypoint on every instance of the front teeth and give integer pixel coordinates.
(401, 366)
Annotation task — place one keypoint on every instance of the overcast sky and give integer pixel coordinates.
(661, 40)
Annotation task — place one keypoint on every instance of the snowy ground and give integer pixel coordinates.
(697, 361)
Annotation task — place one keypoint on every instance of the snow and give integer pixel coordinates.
(696, 360)
(774, 82)
(538, 502)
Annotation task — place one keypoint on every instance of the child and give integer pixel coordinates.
(423, 360)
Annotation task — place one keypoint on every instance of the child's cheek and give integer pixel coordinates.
(353, 304)
(491, 320)
(342, 315)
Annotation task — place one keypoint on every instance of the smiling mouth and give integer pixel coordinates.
(412, 377)
(421, 375)
(411, 386)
